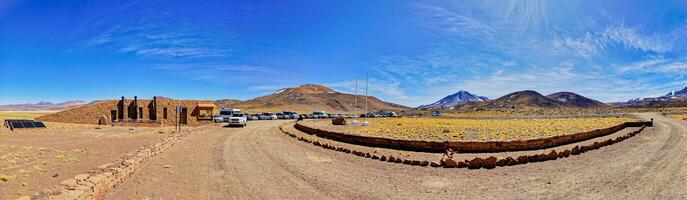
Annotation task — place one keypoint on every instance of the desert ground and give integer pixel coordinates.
(36, 159)
(260, 162)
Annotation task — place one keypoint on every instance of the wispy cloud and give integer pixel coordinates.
(156, 41)
(450, 22)
(591, 44)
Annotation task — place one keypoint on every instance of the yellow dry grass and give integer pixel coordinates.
(678, 116)
(443, 129)
(20, 115)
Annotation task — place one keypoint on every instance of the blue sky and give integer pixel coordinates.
(415, 52)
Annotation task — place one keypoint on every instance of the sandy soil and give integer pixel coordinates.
(34, 159)
(259, 162)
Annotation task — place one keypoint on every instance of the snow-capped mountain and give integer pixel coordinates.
(675, 95)
(459, 98)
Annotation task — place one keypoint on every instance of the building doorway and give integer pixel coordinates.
(113, 115)
(183, 116)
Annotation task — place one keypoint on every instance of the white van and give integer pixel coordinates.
(226, 114)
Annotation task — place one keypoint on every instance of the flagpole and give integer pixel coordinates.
(355, 99)
(366, 107)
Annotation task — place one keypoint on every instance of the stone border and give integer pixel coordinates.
(476, 163)
(467, 147)
(98, 181)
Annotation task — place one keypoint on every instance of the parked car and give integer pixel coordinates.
(218, 119)
(437, 114)
(310, 116)
(227, 113)
(252, 117)
(390, 114)
(268, 116)
(280, 115)
(320, 114)
(238, 119)
(291, 115)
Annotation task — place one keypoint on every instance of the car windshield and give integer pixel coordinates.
(237, 115)
(225, 112)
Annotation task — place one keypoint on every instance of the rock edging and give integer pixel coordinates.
(467, 146)
(476, 163)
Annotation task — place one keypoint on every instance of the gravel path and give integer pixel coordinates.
(259, 162)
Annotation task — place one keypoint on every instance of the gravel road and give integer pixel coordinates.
(259, 162)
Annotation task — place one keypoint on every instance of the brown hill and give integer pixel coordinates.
(310, 97)
(526, 98)
(570, 99)
(226, 103)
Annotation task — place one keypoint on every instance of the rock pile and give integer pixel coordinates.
(339, 121)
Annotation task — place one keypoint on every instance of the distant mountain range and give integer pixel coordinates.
(466, 101)
(450, 101)
(43, 105)
(672, 99)
(308, 98)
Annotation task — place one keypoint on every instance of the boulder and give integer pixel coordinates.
(575, 150)
(475, 163)
(407, 162)
(462, 164)
(543, 157)
(383, 158)
(450, 163)
(564, 154)
(102, 120)
(523, 159)
(489, 163)
(533, 158)
(553, 155)
(415, 162)
(375, 157)
(398, 160)
(434, 164)
(501, 162)
(392, 159)
(424, 163)
(339, 121)
(510, 161)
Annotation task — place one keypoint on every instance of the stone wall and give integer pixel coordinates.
(467, 147)
(476, 163)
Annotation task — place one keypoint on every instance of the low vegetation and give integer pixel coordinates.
(678, 116)
(20, 115)
(444, 129)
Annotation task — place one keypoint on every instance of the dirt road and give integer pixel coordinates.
(259, 162)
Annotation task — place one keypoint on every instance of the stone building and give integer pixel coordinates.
(139, 112)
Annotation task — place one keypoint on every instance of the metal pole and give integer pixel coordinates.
(355, 99)
(366, 108)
